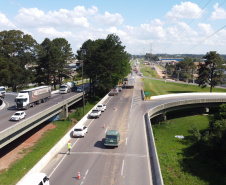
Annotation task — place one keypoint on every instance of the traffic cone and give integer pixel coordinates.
(104, 125)
(79, 175)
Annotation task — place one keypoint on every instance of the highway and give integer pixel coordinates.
(10, 108)
(126, 164)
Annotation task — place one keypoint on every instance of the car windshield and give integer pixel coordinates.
(63, 86)
(78, 129)
(16, 114)
(95, 111)
(99, 105)
(111, 137)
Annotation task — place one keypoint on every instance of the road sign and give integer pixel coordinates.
(147, 93)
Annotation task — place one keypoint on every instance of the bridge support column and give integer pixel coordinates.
(204, 110)
(164, 116)
(64, 113)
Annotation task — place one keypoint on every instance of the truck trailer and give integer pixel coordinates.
(129, 82)
(67, 88)
(30, 97)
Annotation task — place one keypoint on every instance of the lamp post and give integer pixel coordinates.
(83, 52)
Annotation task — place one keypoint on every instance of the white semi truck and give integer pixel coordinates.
(129, 82)
(67, 88)
(30, 97)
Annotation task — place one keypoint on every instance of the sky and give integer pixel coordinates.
(144, 26)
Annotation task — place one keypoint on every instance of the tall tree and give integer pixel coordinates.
(186, 67)
(53, 58)
(105, 62)
(18, 50)
(211, 72)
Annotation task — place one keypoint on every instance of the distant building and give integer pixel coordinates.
(170, 60)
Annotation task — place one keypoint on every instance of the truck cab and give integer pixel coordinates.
(2, 91)
(22, 101)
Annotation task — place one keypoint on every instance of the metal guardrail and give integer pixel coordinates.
(26, 125)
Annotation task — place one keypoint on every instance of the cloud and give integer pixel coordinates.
(33, 17)
(186, 10)
(6, 23)
(109, 19)
(205, 29)
(219, 13)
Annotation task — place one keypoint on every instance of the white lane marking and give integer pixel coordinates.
(61, 160)
(106, 129)
(66, 153)
(110, 154)
(122, 167)
(131, 102)
(84, 177)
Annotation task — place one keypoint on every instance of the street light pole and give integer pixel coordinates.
(83, 92)
(83, 51)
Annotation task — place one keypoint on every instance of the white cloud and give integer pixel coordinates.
(52, 33)
(109, 19)
(205, 29)
(5, 22)
(33, 17)
(186, 10)
(219, 13)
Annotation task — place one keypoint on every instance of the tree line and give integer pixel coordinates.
(210, 71)
(105, 61)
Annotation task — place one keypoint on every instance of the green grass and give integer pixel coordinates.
(147, 71)
(179, 162)
(157, 87)
(18, 169)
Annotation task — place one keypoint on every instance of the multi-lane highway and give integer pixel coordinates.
(10, 108)
(126, 164)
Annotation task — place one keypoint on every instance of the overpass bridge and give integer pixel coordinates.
(10, 134)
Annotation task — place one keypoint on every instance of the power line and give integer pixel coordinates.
(206, 38)
(190, 22)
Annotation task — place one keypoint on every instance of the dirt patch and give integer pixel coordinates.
(21, 150)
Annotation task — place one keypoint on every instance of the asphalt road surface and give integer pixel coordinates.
(126, 164)
(10, 109)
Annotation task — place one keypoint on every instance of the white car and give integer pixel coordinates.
(101, 107)
(80, 131)
(18, 116)
(95, 113)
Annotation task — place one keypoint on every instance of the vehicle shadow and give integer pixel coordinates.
(100, 144)
(12, 108)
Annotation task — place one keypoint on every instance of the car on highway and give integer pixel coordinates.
(79, 89)
(80, 131)
(35, 179)
(101, 107)
(95, 113)
(18, 116)
(112, 138)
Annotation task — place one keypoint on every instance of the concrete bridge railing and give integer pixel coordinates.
(156, 170)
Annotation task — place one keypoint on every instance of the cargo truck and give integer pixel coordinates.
(129, 82)
(67, 88)
(30, 97)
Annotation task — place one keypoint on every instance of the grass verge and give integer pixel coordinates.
(19, 168)
(157, 87)
(147, 71)
(171, 150)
